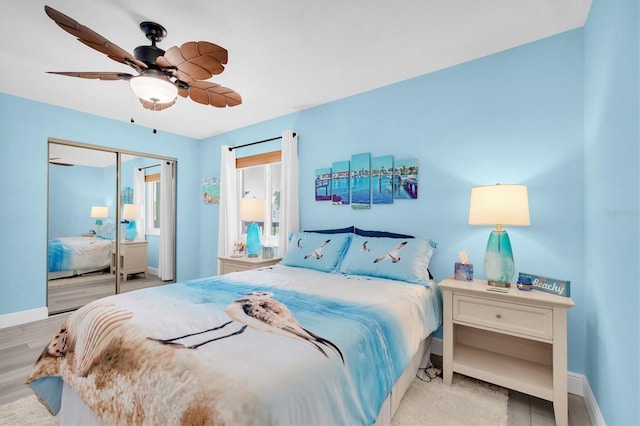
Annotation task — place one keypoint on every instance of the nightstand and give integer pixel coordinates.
(516, 339)
(133, 258)
(234, 264)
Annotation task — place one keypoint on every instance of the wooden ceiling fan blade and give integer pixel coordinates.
(96, 75)
(183, 92)
(58, 163)
(193, 49)
(213, 94)
(92, 39)
(195, 60)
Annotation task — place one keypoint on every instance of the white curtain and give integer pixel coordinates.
(139, 199)
(228, 216)
(289, 203)
(167, 221)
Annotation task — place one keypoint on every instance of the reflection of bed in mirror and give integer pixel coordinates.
(81, 179)
(71, 256)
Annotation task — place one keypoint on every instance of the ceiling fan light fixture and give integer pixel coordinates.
(154, 88)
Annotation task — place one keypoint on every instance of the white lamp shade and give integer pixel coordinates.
(154, 88)
(499, 205)
(130, 211)
(252, 209)
(99, 212)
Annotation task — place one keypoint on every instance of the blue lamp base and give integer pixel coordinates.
(132, 231)
(253, 241)
(498, 260)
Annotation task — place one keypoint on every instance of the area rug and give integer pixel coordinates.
(26, 412)
(466, 402)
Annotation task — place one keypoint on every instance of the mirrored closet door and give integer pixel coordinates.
(111, 223)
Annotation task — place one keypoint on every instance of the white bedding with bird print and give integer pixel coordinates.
(280, 345)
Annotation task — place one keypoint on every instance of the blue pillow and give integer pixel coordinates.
(316, 251)
(403, 259)
(106, 231)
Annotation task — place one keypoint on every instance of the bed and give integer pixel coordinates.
(70, 256)
(316, 339)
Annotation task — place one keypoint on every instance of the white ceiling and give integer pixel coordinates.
(284, 55)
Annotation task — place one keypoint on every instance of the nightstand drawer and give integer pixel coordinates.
(512, 318)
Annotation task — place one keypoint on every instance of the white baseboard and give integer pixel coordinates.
(17, 318)
(577, 384)
(153, 271)
(592, 405)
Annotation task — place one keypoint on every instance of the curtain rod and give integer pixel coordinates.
(148, 167)
(231, 148)
(155, 165)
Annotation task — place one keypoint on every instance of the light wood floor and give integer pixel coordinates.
(525, 410)
(21, 345)
(65, 294)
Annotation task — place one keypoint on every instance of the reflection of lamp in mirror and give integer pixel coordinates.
(499, 205)
(98, 213)
(131, 212)
(252, 210)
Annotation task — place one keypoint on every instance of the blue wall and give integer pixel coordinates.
(514, 117)
(25, 127)
(559, 115)
(73, 190)
(612, 208)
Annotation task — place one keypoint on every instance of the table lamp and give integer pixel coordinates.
(98, 213)
(131, 212)
(252, 210)
(499, 205)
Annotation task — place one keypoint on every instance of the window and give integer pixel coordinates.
(258, 176)
(152, 203)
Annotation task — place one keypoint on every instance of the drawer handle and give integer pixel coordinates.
(498, 316)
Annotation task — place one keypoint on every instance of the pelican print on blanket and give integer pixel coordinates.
(259, 311)
(279, 346)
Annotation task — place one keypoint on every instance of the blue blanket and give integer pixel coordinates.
(78, 254)
(278, 346)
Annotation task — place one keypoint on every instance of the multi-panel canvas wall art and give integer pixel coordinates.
(405, 182)
(382, 179)
(364, 181)
(361, 181)
(340, 193)
(323, 184)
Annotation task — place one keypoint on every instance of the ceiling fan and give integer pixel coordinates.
(53, 160)
(161, 74)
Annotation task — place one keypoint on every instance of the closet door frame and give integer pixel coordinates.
(119, 153)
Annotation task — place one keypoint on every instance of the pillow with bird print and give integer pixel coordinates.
(403, 259)
(316, 251)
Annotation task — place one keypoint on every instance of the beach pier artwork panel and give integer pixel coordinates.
(340, 182)
(361, 181)
(382, 180)
(405, 180)
(323, 184)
